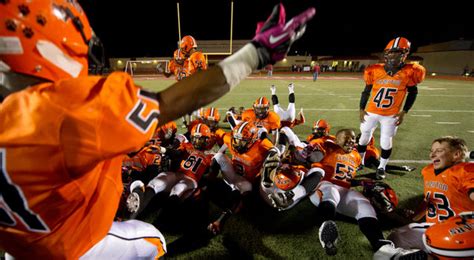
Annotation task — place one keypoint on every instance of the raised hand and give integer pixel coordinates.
(274, 37)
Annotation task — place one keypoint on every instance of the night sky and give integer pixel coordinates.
(149, 27)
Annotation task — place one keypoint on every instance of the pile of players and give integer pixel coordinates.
(262, 155)
(64, 133)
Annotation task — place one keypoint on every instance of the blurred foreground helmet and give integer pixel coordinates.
(48, 39)
(452, 238)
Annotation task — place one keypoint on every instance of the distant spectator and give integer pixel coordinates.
(316, 71)
(269, 70)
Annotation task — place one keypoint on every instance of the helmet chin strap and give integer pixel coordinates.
(11, 82)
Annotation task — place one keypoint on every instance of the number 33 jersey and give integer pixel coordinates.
(61, 150)
(447, 193)
(388, 92)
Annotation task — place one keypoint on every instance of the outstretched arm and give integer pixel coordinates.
(270, 45)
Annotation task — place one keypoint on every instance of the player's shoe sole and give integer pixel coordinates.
(380, 174)
(328, 236)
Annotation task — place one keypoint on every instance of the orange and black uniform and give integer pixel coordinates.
(60, 164)
(271, 122)
(339, 167)
(196, 62)
(388, 92)
(447, 193)
(250, 163)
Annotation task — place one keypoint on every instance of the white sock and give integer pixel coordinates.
(383, 163)
(291, 88)
(273, 89)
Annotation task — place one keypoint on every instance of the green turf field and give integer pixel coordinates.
(443, 107)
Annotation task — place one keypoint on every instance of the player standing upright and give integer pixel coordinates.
(387, 84)
(60, 162)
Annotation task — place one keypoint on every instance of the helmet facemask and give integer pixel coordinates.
(261, 112)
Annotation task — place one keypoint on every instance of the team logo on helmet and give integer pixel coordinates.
(452, 238)
(285, 178)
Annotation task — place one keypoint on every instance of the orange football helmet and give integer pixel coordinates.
(166, 131)
(452, 238)
(211, 117)
(178, 56)
(200, 136)
(261, 106)
(47, 39)
(244, 136)
(285, 178)
(187, 44)
(321, 128)
(396, 52)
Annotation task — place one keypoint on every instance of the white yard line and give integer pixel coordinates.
(353, 109)
(410, 161)
(448, 123)
(421, 115)
(471, 131)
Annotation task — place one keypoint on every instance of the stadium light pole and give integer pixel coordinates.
(179, 23)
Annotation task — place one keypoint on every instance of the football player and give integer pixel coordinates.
(178, 66)
(51, 109)
(262, 117)
(242, 170)
(321, 130)
(287, 117)
(334, 194)
(182, 183)
(196, 60)
(448, 190)
(387, 84)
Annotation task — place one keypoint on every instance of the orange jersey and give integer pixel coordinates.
(271, 122)
(142, 160)
(196, 165)
(339, 167)
(388, 92)
(197, 62)
(61, 150)
(250, 163)
(447, 192)
(180, 71)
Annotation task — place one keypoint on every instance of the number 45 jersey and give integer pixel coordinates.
(61, 150)
(388, 92)
(447, 193)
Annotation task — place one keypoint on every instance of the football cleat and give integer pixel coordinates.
(133, 202)
(380, 174)
(408, 168)
(329, 236)
(389, 251)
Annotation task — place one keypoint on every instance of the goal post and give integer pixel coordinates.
(151, 67)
